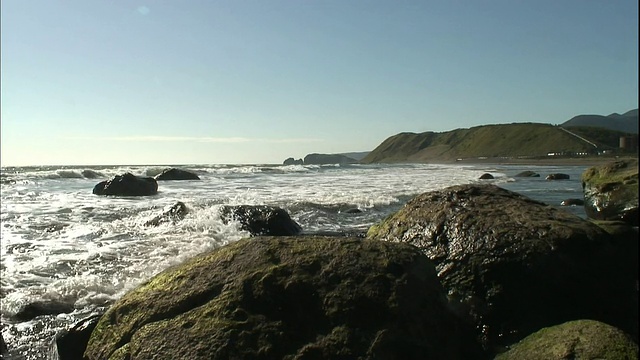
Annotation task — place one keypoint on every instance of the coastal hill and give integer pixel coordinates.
(581, 135)
(517, 140)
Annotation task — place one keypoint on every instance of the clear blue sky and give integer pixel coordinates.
(255, 81)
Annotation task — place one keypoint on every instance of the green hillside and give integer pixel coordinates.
(504, 140)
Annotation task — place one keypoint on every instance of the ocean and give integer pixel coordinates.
(59, 242)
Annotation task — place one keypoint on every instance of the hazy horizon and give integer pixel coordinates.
(198, 82)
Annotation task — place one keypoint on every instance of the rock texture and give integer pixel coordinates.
(514, 265)
(286, 298)
(261, 220)
(176, 174)
(611, 191)
(580, 339)
(127, 185)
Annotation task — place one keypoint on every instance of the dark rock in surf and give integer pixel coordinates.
(579, 339)
(572, 202)
(527, 173)
(176, 174)
(71, 344)
(38, 308)
(558, 176)
(611, 191)
(172, 215)
(261, 220)
(292, 161)
(351, 211)
(4, 349)
(486, 176)
(127, 185)
(288, 298)
(514, 265)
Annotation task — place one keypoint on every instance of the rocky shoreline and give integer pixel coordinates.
(467, 272)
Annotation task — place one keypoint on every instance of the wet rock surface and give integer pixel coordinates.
(261, 220)
(611, 191)
(514, 265)
(176, 174)
(287, 297)
(127, 185)
(580, 339)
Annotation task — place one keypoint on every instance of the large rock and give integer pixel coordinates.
(580, 339)
(286, 298)
(261, 219)
(127, 185)
(611, 191)
(176, 174)
(515, 265)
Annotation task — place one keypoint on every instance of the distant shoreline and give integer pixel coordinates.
(546, 161)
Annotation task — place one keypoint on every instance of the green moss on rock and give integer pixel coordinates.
(286, 297)
(580, 339)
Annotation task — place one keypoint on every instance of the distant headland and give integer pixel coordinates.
(584, 139)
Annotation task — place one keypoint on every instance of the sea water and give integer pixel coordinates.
(59, 242)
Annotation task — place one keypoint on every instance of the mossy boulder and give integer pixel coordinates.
(580, 339)
(515, 265)
(611, 191)
(287, 298)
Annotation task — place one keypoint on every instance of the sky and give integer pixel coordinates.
(174, 82)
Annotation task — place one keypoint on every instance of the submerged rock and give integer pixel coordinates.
(287, 298)
(486, 176)
(127, 185)
(580, 339)
(46, 307)
(172, 215)
(514, 265)
(572, 202)
(611, 191)
(527, 173)
(558, 176)
(261, 220)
